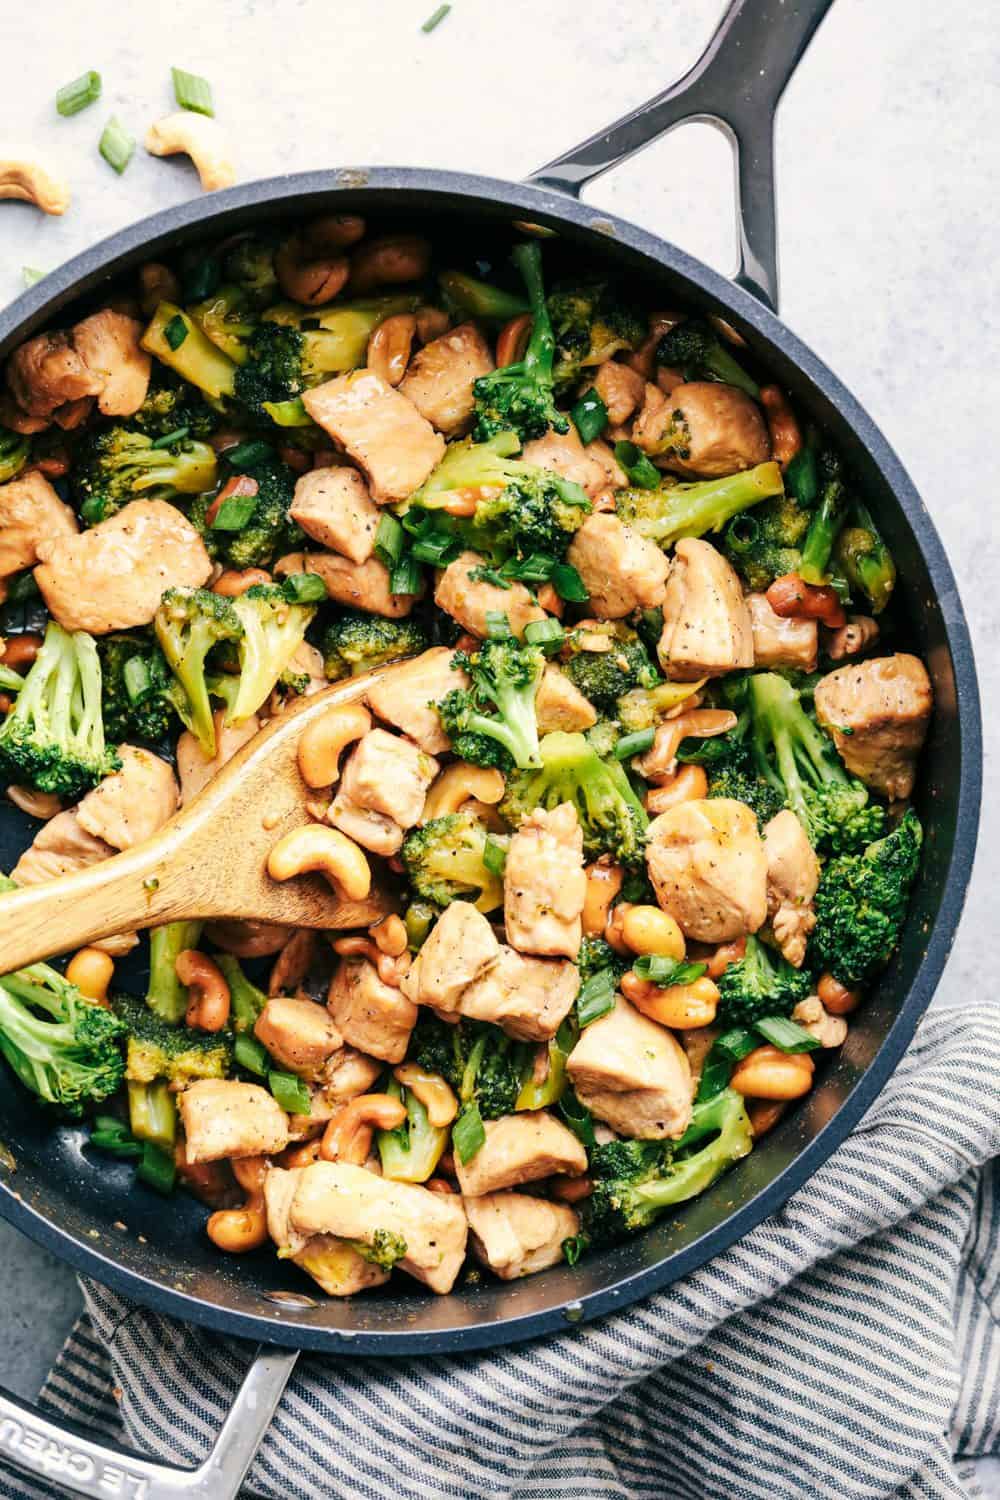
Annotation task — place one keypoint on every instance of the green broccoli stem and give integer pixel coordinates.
(10, 682)
(517, 731)
(166, 996)
(152, 1113)
(246, 1001)
(539, 357)
(683, 510)
(478, 299)
(411, 1153)
(723, 1117)
(866, 560)
(801, 749)
(824, 527)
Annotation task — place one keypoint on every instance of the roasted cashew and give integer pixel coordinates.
(326, 738)
(658, 762)
(29, 182)
(333, 232)
(461, 783)
(687, 784)
(433, 1092)
(198, 137)
(309, 276)
(513, 340)
(237, 1230)
(208, 992)
(390, 968)
(233, 582)
(783, 429)
(348, 1136)
(389, 936)
(327, 851)
(432, 322)
(91, 970)
(389, 347)
(43, 805)
(157, 283)
(389, 260)
(767, 1073)
(680, 1006)
(860, 632)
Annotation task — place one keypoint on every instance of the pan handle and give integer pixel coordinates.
(33, 1443)
(735, 85)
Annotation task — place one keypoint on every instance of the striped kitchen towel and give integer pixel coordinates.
(846, 1348)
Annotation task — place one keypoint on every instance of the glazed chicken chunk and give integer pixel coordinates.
(334, 1264)
(334, 508)
(113, 576)
(133, 803)
(704, 429)
(195, 768)
(469, 600)
(559, 704)
(633, 1074)
(406, 697)
(440, 378)
(60, 847)
(878, 712)
(364, 586)
(621, 389)
(108, 344)
(520, 1148)
(709, 870)
(30, 512)
(792, 878)
(565, 454)
(515, 1235)
(299, 1034)
(382, 790)
(621, 570)
(223, 1119)
(348, 1073)
(369, 1014)
(706, 622)
(380, 430)
(529, 998)
(779, 641)
(460, 947)
(544, 884)
(47, 373)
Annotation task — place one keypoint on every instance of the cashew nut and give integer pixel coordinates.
(333, 232)
(326, 850)
(513, 340)
(198, 137)
(91, 971)
(208, 992)
(432, 322)
(30, 182)
(389, 936)
(687, 784)
(604, 881)
(699, 723)
(36, 804)
(325, 739)
(389, 347)
(310, 275)
(390, 968)
(237, 1230)
(433, 1092)
(157, 283)
(459, 784)
(860, 632)
(232, 582)
(570, 1189)
(348, 1136)
(388, 260)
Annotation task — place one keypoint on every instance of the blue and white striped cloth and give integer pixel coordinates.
(846, 1348)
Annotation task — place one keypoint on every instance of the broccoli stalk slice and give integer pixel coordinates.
(694, 348)
(667, 514)
(226, 318)
(866, 560)
(166, 996)
(70, 1055)
(478, 299)
(611, 816)
(410, 1153)
(194, 357)
(273, 629)
(335, 336)
(152, 1113)
(520, 395)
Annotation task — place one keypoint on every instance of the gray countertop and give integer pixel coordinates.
(888, 159)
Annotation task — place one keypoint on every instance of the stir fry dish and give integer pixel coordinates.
(638, 784)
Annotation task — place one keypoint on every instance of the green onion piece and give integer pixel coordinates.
(251, 1054)
(73, 97)
(304, 588)
(573, 1248)
(596, 997)
(200, 278)
(288, 413)
(31, 275)
(590, 416)
(663, 971)
(549, 634)
(118, 147)
(435, 549)
(537, 568)
(248, 455)
(494, 855)
(641, 471)
(175, 332)
(435, 19)
(636, 743)
(726, 1051)
(157, 1168)
(786, 1035)
(568, 584)
(169, 438)
(468, 1134)
(235, 513)
(92, 509)
(135, 675)
(192, 92)
(497, 624)
(407, 576)
(290, 1092)
(578, 1118)
(389, 539)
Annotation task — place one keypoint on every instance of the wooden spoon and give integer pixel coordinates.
(207, 861)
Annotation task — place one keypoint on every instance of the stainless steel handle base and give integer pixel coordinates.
(34, 1443)
(735, 85)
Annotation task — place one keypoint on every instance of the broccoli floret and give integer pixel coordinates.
(738, 781)
(166, 997)
(611, 816)
(444, 861)
(188, 624)
(865, 559)
(411, 1152)
(591, 320)
(114, 465)
(273, 629)
(172, 406)
(694, 348)
(672, 511)
(267, 533)
(482, 1064)
(356, 642)
(520, 397)
(793, 754)
(14, 451)
(385, 1248)
(249, 264)
(644, 708)
(53, 738)
(159, 1049)
(861, 904)
(764, 544)
(760, 984)
(272, 368)
(604, 676)
(827, 519)
(597, 954)
(136, 682)
(537, 513)
(335, 336)
(635, 1181)
(65, 1048)
(503, 675)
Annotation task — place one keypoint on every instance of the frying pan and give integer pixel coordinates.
(69, 1202)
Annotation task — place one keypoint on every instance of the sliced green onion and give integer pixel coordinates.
(169, 438)
(568, 584)
(435, 549)
(193, 92)
(636, 743)
(590, 416)
(32, 275)
(113, 1135)
(578, 1118)
(802, 477)
(73, 97)
(407, 576)
(135, 675)
(248, 455)
(435, 19)
(288, 413)
(157, 1168)
(786, 1035)
(549, 634)
(118, 147)
(573, 1248)
(304, 588)
(497, 624)
(235, 513)
(290, 1092)
(663, 971)
(726, 1051)
(200, 278)
(175, 332)
(389, 539)
(536, 568)
(596, 997)
(92, 509)
(640, 469)
(494, 855)
(468, 1134)
(251, 1054)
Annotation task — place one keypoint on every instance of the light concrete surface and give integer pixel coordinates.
(888, 154)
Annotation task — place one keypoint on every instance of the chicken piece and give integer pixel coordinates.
(47, 372)
(792, 878)
(469, 600)
(704, 429)
(384, 782)
(564, 454)
(439, 379)
(194, 767)
(108, 344)
(544, 884)
(621, 390)
(515, 1235)
(406, 698)
(60, 847)
(133, 803)
(708, 866)
(334, 1264)
(559, 704)
(370, 1015)
(223, 1119)
(113, 576)
(299, 1034)
(333, 507)
(621, 570)
(520, 1148)
(364, 586)
(529, 998)
(633, 1074)
(615, 477)
(379, 429)
(780, 641)
(706, 621)
(460, 947)
(878, 712)
(30, 512)
(348, 1073)
(355, 1204)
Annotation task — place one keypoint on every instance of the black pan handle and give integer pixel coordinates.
(735, 85)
